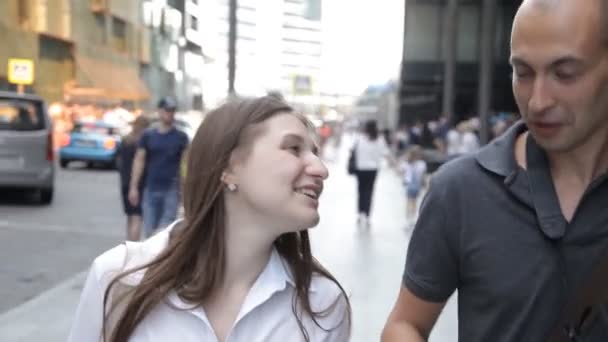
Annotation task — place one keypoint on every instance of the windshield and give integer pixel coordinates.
(92, 128)
(20, 115)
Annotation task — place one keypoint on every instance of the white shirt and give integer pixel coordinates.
(453, 142)
(369, 153)
(266, 314)
(470, 143)
(413, 170)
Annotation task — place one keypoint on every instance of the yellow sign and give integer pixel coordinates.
(20, 71)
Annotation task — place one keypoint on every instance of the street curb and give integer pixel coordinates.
(54, 307)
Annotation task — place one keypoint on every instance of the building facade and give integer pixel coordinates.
(107, 52)
(278, 48)
(174, 65)
(301, 49)
(80, 49)
(455, 59)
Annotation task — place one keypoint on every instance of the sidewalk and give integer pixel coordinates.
(368, 263)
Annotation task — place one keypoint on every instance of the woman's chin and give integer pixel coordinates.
(306, 222)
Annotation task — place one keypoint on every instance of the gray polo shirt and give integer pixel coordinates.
(495, 232)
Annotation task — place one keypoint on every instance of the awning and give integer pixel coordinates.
(104, 80)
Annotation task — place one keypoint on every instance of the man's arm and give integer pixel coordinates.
(136, 172)
(412, 318)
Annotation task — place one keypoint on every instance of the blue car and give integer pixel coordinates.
(94, 142)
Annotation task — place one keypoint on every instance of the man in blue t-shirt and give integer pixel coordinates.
(159, 153)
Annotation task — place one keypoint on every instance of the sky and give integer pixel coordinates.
(362, 44)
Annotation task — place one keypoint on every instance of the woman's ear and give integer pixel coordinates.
(228, 177)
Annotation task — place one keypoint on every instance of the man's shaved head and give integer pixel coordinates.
(559, 54)
(547, 5)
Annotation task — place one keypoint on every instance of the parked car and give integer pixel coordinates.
(26, 145)
(91, 142)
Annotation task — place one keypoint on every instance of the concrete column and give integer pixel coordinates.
(401, 90)
(450, 44)
(232, 36)
(486, 67)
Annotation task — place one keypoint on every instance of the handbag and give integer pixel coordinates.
(352, 161)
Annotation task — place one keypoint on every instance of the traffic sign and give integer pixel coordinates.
(20, 71)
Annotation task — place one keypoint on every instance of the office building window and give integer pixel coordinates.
(119, 34)
(194, 24)
(23, 14)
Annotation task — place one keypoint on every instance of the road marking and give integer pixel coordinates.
(30, 226)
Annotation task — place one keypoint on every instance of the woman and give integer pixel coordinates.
(370, 149)
(239, 266)
(126, 156)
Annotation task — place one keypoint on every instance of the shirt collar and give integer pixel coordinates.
(499, 155)
(274, 278)
(536, 189)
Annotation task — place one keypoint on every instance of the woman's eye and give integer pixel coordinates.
(294, 149)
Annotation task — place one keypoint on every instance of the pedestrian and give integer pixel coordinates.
(402, 140)
(159, 156)
(469, 142)
(325, 133)
(238, 267)
(413, 170)
(517, 226)
(126, 154)
(370, 149)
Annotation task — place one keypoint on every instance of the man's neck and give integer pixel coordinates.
(582, 165)
(164, 127)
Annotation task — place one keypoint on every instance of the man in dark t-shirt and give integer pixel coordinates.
(517, 227)
(159, 153)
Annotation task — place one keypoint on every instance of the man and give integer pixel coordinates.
(518, 226)
(159, 155)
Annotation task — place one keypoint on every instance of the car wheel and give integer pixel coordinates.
(63, 163)
(46, 196)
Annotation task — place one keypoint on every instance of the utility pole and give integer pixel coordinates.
(232, 34)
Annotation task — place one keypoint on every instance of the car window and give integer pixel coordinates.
(20, 115)
(92, 128)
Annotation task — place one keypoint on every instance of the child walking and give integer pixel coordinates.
(414, 178)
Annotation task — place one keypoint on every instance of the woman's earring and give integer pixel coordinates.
(231, 187)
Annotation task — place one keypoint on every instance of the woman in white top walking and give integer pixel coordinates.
(238, 267)
(370, 149)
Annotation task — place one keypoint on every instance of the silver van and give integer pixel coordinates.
(26, 145)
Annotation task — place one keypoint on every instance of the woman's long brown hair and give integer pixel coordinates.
(193, 264)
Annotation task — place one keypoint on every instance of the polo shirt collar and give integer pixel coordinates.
(534, 186)
(499, 155)
(546, 203)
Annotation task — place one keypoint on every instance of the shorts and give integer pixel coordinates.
(128, 208)
(412, 192)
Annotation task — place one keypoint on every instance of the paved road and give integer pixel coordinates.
(46, 250)
(43, 245)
